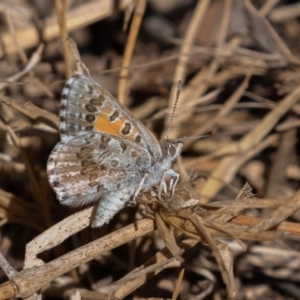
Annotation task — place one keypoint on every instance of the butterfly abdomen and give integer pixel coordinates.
(110, 204)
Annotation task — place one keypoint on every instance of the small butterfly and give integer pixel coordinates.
(105, 156)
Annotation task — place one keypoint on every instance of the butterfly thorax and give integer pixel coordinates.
(170, 151)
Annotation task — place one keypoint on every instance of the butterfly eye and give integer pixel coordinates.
(172, 150)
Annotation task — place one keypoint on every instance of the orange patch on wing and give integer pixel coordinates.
(115, 128)
(104, 125)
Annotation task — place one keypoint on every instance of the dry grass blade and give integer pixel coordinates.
(77, 63)
(79, 17)
(277, 178)
(17, 211)
(279, 215)
(43, 205)
(179, 73)
(61, 12)
(155, 264)
(26, 280)
(284, 228)
(228, 106)
(178, 285)
(167, 235)
(6, 267)
(222, 259)
(55, 235)
(216, 181)
(227, 263)
(139, 276)
(134, 30)
(33, 112)
(270, 40)
(34, 60)
(12, 31)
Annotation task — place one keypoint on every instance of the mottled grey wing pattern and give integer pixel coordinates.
(86, 106)
(91, 165)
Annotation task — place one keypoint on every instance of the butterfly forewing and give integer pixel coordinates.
(86, 106)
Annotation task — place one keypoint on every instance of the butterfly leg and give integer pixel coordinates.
(174, 180)
(174, 184)
(162, 187)
(133, 202)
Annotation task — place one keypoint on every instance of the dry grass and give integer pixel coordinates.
(231, 230)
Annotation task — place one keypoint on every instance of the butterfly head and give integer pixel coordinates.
(172, 149)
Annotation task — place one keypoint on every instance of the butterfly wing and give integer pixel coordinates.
(104, 152)
(86, 106)
(86, 167)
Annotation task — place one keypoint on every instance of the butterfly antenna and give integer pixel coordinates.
(174, 108)
(195, 136)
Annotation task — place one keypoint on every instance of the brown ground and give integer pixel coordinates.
(232, 228)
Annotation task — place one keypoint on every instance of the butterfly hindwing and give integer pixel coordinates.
(84, 168)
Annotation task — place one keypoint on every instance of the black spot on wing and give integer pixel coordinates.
(90, 108)
(126, 129)
(90, 118)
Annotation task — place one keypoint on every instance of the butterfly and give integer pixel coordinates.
(105, 156)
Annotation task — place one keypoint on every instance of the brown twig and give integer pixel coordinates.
(134, 30)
